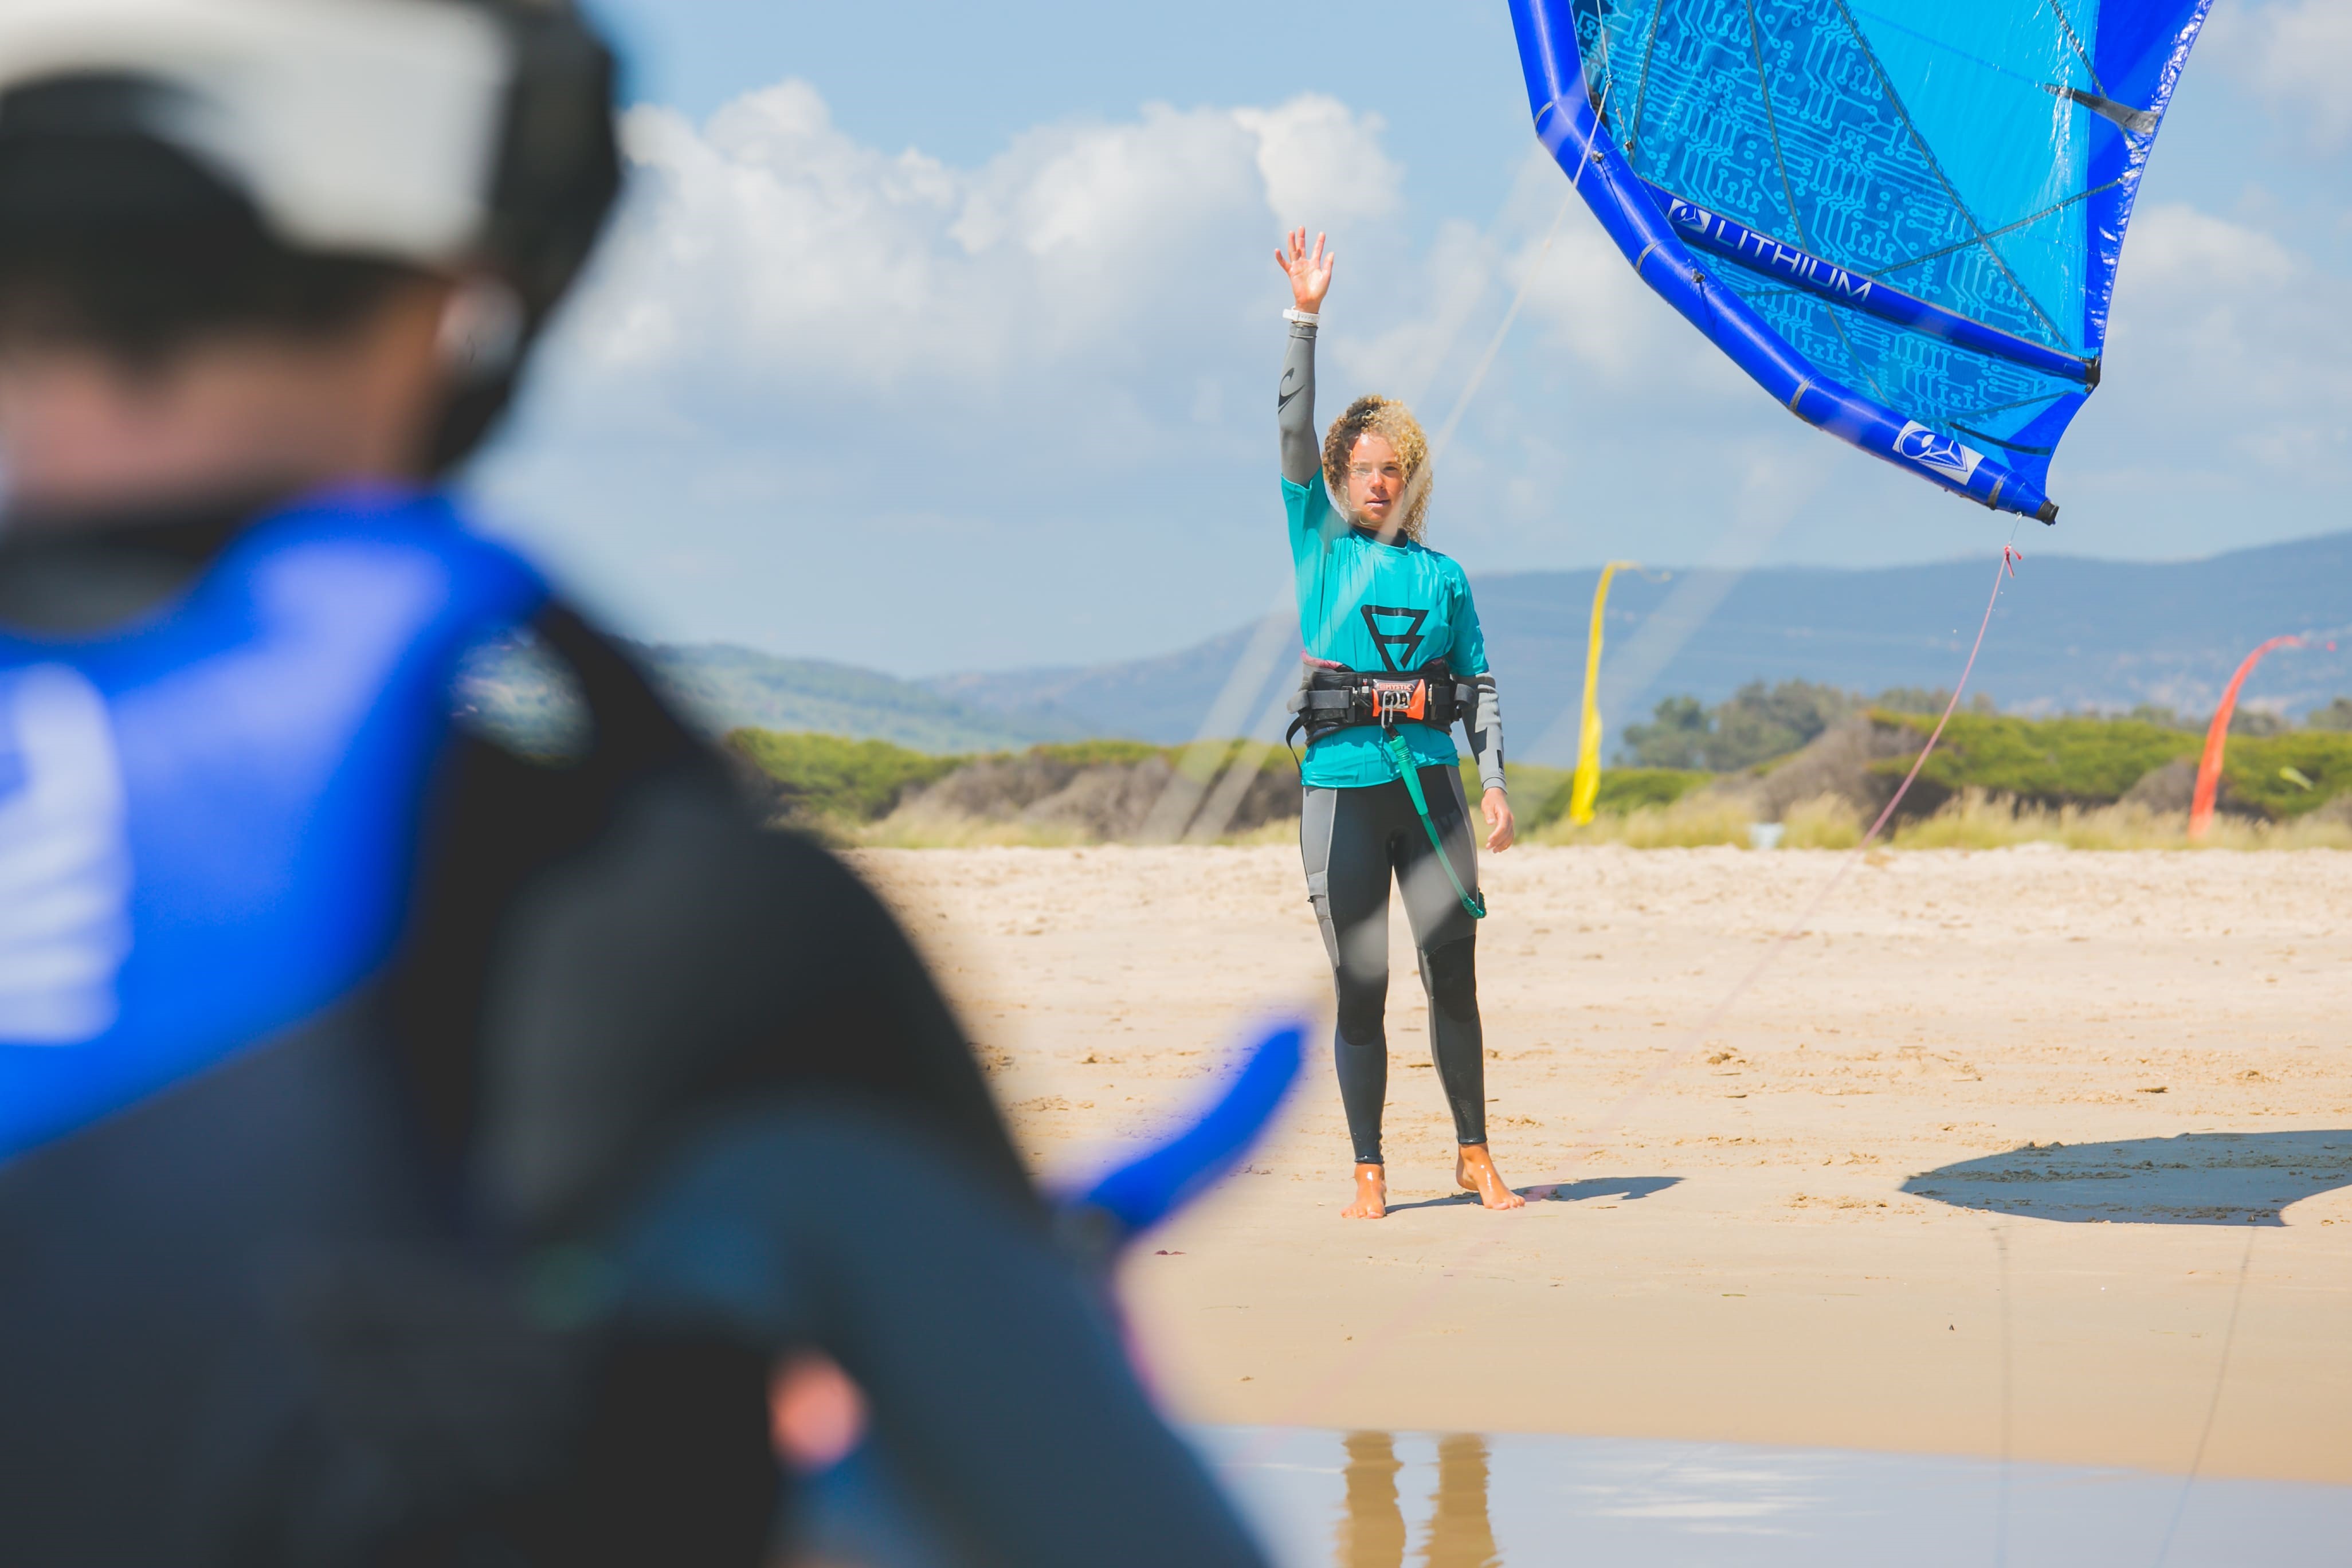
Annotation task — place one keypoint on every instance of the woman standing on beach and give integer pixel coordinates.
(1394, 655)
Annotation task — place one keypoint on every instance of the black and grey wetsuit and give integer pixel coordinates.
(1355, 836)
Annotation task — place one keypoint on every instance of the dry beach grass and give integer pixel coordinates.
(2000, 1107)
(1973, 820)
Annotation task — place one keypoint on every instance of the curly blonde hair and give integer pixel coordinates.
(1393, 422)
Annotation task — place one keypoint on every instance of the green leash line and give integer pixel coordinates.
(1401, 758)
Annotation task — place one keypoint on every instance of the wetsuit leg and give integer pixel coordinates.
(1447, 938)
(1344, 839)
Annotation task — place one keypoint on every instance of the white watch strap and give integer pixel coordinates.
(1304, 318)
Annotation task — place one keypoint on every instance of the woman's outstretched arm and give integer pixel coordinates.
(1310, 279)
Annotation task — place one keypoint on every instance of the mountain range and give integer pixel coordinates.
(2070, 633)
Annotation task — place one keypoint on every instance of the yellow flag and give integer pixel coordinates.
(1587, 788)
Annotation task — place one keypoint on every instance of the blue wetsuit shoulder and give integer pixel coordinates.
(230, 793)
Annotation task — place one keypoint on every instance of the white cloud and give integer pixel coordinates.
(2297, 55)
(2177, 249)
(1586, 324)
(771, 246)
(1612, 324)
(1322, 162)
(2228, 345)
(819, 360)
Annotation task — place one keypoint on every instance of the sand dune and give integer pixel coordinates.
(2028, 1108)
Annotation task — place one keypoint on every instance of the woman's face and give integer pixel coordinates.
(1375, 481)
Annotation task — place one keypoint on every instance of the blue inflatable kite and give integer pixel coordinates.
(1902, 217)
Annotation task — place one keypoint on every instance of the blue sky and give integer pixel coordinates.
(941, 337)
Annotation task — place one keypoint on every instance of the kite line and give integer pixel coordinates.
(2212, 1405)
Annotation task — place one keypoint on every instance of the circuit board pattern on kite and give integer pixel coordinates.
(1778, 114)
(1975, 396)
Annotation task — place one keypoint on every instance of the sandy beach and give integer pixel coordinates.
(1987, 1158)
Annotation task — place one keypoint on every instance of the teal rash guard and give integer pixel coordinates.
(1373, 607)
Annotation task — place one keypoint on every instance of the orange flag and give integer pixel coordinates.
(2209, 767)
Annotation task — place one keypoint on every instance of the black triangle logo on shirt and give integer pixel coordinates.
(1394, 646)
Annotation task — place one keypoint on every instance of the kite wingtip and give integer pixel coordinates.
(2049, 512)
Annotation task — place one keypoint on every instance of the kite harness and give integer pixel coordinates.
(1332, 699)
(1329, 699)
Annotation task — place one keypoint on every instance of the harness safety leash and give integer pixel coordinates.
(1401, 758)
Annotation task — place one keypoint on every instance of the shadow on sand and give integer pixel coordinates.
(2197, 1178)
(1624, 1188)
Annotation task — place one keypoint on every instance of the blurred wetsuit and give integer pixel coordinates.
(1390, 608)
(484, 1258)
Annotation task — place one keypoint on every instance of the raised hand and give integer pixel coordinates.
(1310, 271)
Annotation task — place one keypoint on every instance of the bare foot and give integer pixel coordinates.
(1474, 1168)
(1372, 1194)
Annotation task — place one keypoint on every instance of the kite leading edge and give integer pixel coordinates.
(1900, 217)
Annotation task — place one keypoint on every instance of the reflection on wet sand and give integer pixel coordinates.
(1371, 1530)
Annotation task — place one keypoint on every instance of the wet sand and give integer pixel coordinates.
(1832, 1221)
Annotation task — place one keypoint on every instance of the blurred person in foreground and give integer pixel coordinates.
(414, 1148)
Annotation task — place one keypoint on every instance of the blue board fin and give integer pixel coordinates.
(1140, 1194)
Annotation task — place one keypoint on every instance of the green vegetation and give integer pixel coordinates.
(2243, 720)
(2089, 761)
(1994, 780)
(2256, 768)
(2080, 761)
(1202, 760)
(1104, 753)
(818, 778)
(2337, 715)
(824, 775)
(1630, 789)
(1540, 794)
(1759, 723)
